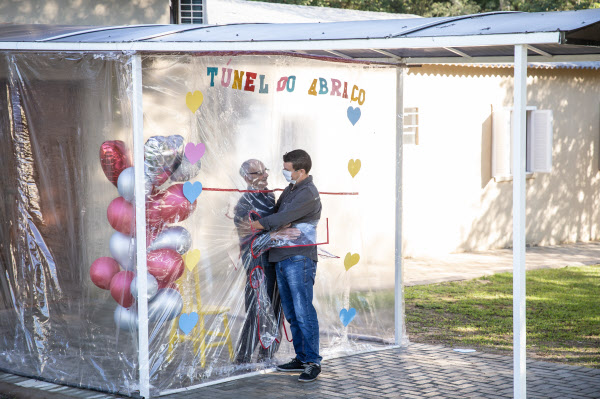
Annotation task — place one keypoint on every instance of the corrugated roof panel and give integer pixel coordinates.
(483, 24)
(566, 49)
(424, 53)
(355, 39)
(480, 24)
(293, 32)
(514, 22)
(495, 51)
(364, 53)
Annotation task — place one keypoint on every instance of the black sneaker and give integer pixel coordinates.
(294, 365)
(311, 372)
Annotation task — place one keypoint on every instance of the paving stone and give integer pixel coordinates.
(416, 371)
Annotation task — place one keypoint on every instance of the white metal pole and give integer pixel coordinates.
(140, 226)
(399, 328)
(519, 163)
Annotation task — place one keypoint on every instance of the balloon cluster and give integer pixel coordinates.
(163, 160)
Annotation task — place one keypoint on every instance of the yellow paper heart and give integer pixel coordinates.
(353, 167)
(191, 259)
(194, 101)
(351, 260)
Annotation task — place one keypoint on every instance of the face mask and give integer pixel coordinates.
(288, 176)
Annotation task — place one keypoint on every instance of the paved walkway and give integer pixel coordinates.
(465, 266)
(416, 371)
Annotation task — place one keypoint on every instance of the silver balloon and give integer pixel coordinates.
(122, 248)
(162, 156)
(151, 287)
(176, 238)
(126, 184)
(147, 186)
(187, 170)
(126, 318)
(166, 305)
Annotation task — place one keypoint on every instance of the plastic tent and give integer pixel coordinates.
(72, 243)
(83, 108)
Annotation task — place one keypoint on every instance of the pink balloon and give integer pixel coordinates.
(175, 207)
(165, 264)
(103, 270)
(119, 288)
(121, 216)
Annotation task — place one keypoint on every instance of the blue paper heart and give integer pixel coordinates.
(353, 115)
(346, 316)
(187, 322)
(192, 191)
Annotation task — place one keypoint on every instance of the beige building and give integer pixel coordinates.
(132, 12)
(85, 12)
(457, 199)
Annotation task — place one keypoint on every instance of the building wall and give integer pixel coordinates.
(85, 12)
(130, 12)
(451, 201)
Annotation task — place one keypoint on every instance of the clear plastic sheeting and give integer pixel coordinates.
(57, 110)
(215, 131)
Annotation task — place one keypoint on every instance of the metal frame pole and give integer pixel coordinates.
(399, 327)
(137, 113)
(519, 164)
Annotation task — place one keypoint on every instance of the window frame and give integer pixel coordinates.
(197, 12)
(410, 132)
(506, 142)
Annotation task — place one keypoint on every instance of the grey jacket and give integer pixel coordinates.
(299, 203)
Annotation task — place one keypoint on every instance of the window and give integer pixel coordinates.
(411, 126)
(538, 150)
(191, 11)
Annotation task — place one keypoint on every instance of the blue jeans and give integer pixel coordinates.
(296, 277)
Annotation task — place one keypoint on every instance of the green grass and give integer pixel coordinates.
(563, 314)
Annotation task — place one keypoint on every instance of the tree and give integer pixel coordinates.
(454, 7)
(444, 8)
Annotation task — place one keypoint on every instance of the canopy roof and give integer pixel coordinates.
(551, 36)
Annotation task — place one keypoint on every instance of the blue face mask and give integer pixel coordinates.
(288, 176)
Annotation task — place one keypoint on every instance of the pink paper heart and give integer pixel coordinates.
(194, 152)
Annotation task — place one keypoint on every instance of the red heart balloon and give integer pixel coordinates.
(165, 264)
(168, 206)
(174, 206)
(114, 158)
